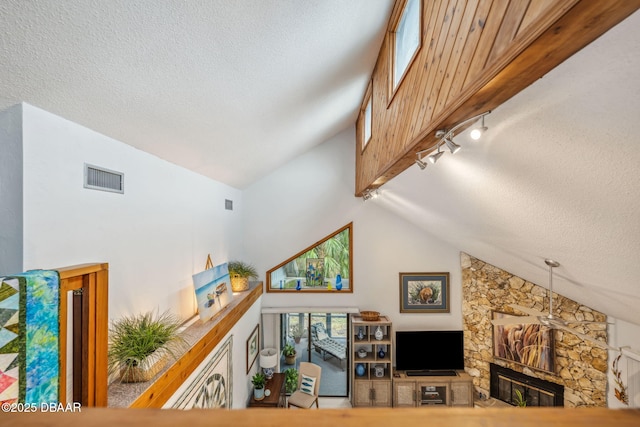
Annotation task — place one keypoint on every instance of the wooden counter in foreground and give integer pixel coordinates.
(383, 417)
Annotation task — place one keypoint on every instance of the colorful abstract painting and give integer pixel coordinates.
(29, 337)
(526, 344)
(213, 290)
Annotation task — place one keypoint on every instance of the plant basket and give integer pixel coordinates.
(370, 316)
(239, 284)
(146, 370)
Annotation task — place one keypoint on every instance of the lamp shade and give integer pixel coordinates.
(268, 357)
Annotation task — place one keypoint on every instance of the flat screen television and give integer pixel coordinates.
(429, 350)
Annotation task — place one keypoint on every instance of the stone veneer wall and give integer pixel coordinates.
(579, 366)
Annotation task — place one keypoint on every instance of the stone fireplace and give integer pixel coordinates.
(537, 392)
(579, 366)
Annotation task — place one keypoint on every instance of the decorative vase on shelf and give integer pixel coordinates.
(360, 370)
(381, 353)
(298, 287)
(379, 334)
(360, 333)
(338, 282)
(378, 371)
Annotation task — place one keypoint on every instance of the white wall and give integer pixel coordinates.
(11, 190)
(623, 334)
(312, 196)
(154, 237)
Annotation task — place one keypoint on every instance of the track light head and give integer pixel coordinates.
(477, 132)
(433, 158)
(421, 164)
(453, 147)
(370, 194)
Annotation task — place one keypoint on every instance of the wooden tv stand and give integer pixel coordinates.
(443, 391)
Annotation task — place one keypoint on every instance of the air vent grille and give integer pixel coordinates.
(97, 178)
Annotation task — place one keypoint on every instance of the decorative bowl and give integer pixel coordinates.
(362, 353)
(370, 316)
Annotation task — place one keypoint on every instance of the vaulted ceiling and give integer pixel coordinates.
(228, 89)
(235, 89)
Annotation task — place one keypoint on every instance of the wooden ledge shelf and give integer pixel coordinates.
(203, 338)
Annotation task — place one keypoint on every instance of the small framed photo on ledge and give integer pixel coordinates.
(424, 292)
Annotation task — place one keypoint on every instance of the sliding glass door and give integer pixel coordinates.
(320, 338)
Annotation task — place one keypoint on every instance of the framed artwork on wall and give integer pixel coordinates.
(211, 386)
(424, 292)
(523, 343)
(253, 344)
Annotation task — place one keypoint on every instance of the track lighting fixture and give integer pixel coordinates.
(370, 194)
(446, 137)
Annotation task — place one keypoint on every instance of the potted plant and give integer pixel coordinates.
(520, 400)
(140, 345)
(289, 353)
(258, 381)
(240, 273)
(296, 332)
(290, 380)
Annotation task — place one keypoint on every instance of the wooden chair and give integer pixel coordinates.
(302, 397)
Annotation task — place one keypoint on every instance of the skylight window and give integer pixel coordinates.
(406, 40)
(367, 124)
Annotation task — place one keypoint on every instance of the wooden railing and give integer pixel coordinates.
(204, 336)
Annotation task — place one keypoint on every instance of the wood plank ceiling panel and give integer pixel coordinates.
(487, 40)
(456, 54)
(510, 24)
(469, 49)
(446, 39)
(535, 9)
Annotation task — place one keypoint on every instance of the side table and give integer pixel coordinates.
(277, 397)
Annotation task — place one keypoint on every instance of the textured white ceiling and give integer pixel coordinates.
(557, 175)
(234, 89)
(230, 89)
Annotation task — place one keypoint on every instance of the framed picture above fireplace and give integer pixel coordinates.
(526, 344)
